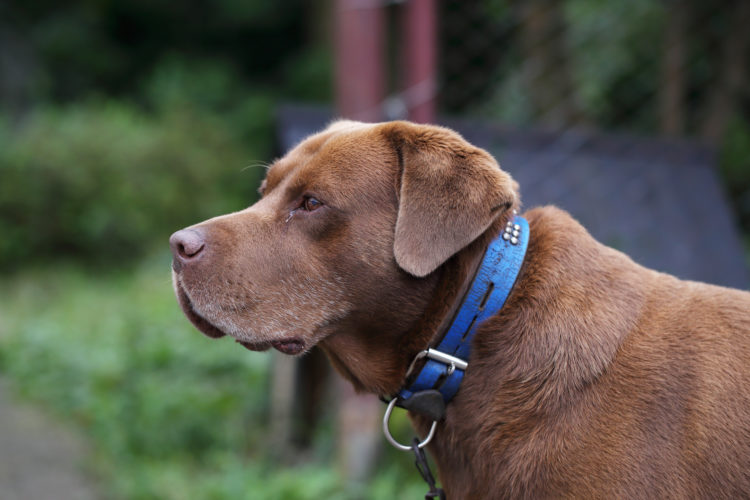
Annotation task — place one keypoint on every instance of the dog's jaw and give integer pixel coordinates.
(201, 323)
(286, 342)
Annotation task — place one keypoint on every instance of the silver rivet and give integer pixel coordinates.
(516, 233)
(517, 227)
(514, 240)
(506, 236)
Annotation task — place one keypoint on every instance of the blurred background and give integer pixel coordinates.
(123, 121)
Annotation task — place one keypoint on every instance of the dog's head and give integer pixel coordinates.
(350, 229)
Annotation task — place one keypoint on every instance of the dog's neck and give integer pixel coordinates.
(380, 367)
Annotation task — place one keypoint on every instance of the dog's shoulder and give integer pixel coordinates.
(561, 244)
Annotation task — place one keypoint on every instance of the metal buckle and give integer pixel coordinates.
(452, 361)
(447, 359)
(393, 441)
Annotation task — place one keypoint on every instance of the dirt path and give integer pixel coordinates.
(40, 459)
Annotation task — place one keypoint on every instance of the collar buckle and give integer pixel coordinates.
(452, 361)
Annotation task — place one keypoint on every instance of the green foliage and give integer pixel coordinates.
(171, 414)
(735, 167)
(136, 119)
(103, 180)
(109, 45)
(614, 66)
(307, 76)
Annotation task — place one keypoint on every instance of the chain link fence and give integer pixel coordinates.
(676, 67)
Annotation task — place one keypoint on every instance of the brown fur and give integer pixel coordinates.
(598, 379)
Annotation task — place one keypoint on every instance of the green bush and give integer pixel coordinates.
(104, 180)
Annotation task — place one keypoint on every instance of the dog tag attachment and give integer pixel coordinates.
(389, 437)
(429, 403)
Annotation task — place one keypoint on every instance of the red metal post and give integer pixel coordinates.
(360, 91)
(360, 59)
(420, 50)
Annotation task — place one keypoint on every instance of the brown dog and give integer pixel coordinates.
(597, 379)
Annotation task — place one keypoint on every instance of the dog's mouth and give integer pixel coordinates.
(290, 346)
(254, 346)
(206, 328)
(285, 346)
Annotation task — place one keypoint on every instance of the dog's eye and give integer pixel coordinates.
(310, 203)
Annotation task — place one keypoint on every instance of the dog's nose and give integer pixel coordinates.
(187, 245)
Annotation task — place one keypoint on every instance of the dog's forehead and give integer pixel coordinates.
(344, 155)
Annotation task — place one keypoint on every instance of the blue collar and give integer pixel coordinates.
(439, 379)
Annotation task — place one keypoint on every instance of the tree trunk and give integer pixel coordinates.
(732, 74)
(672, 88)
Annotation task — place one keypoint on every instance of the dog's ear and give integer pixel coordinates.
(449, 194)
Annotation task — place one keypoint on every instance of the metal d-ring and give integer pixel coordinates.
(391, 439)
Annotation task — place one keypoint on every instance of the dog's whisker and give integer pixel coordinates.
(264, 164)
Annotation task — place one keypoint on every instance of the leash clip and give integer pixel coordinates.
(424, 470)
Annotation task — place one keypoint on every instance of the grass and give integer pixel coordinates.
(171, 414)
